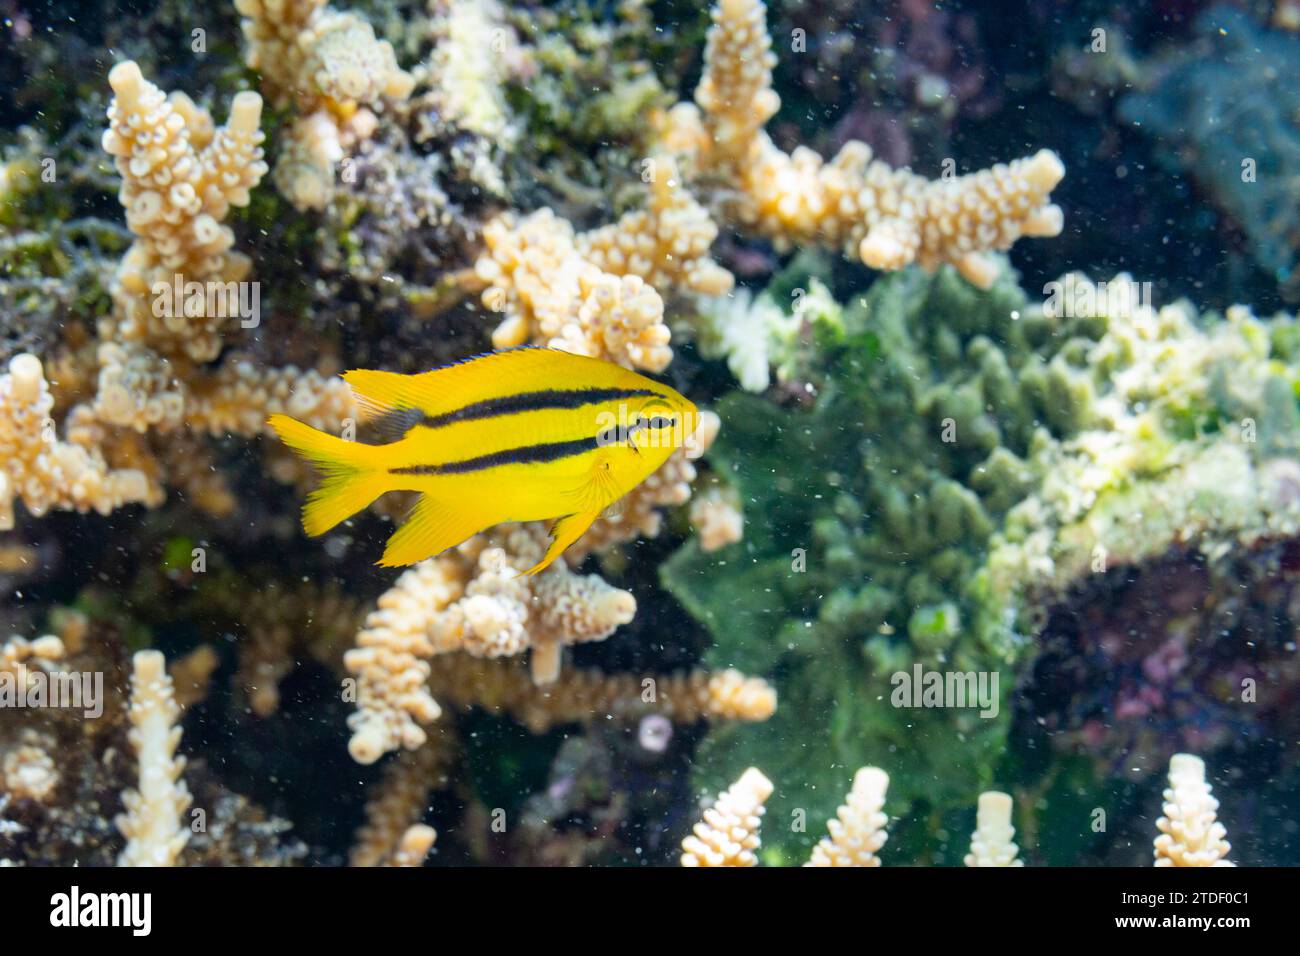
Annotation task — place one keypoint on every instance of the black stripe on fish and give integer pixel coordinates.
(534, 401)
(526, 455)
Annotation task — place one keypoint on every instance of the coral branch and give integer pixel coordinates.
(152, 823)
(858, 831)
(991, 843)
(886, 217)
(728, 833)
(1189, 833)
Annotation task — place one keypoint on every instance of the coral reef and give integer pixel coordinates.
(1002, 451)
(888, 218)
(474, 601)
(1081, 514)
(330, 66)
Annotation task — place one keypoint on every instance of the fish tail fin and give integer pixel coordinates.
(433, 526)
(350, 479)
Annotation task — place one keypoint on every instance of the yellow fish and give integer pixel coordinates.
(524, 435)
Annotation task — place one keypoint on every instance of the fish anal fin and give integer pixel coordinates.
(563, 533)
(432, 527)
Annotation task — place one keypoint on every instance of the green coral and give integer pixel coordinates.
(967, 454)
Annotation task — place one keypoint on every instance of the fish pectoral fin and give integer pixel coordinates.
(432, 527)
(564, 532)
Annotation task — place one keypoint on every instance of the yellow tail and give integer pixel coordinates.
(350, 478)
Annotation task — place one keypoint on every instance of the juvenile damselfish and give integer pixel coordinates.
(523, 435)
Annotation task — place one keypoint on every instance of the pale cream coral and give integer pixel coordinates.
(992, 843)
(1190, 834)
(728, 834)
(583, 695)
(330, 65)
(240, 395)
(308, 160)
(46, 472)
(414, 846)
(717, 518)
(475, 600)
(192, 675)
(308, 53)
(398, 802)
(271, 29)
(153, 823)
(28, 771)
(549, 294)
(176, 194)
(18, 656)
(666, 243)
(888, 218)
(468, 67)
(858, 831)
(347, 65)
(601, 293)
(390, 662)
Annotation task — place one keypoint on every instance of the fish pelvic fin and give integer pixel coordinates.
(563, 533)
(350, 480)
(432, 527)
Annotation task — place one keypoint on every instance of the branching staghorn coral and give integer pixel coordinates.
(47, 472)
(991, 843)
(888, 218)
(1190, 834)
(153, 824)
(470, 600)
(19, 656)
(331, 67)
(397, 803)
(581, 695)
(28, 771)
(414, 846)
(474, 601)
(717, 518)
(180, 177)
(857, 832)
(600, 293)
(728, 833)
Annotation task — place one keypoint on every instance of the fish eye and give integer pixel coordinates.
(657, 416)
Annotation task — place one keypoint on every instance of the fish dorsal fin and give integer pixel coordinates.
(392, 424)
(484, 377)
